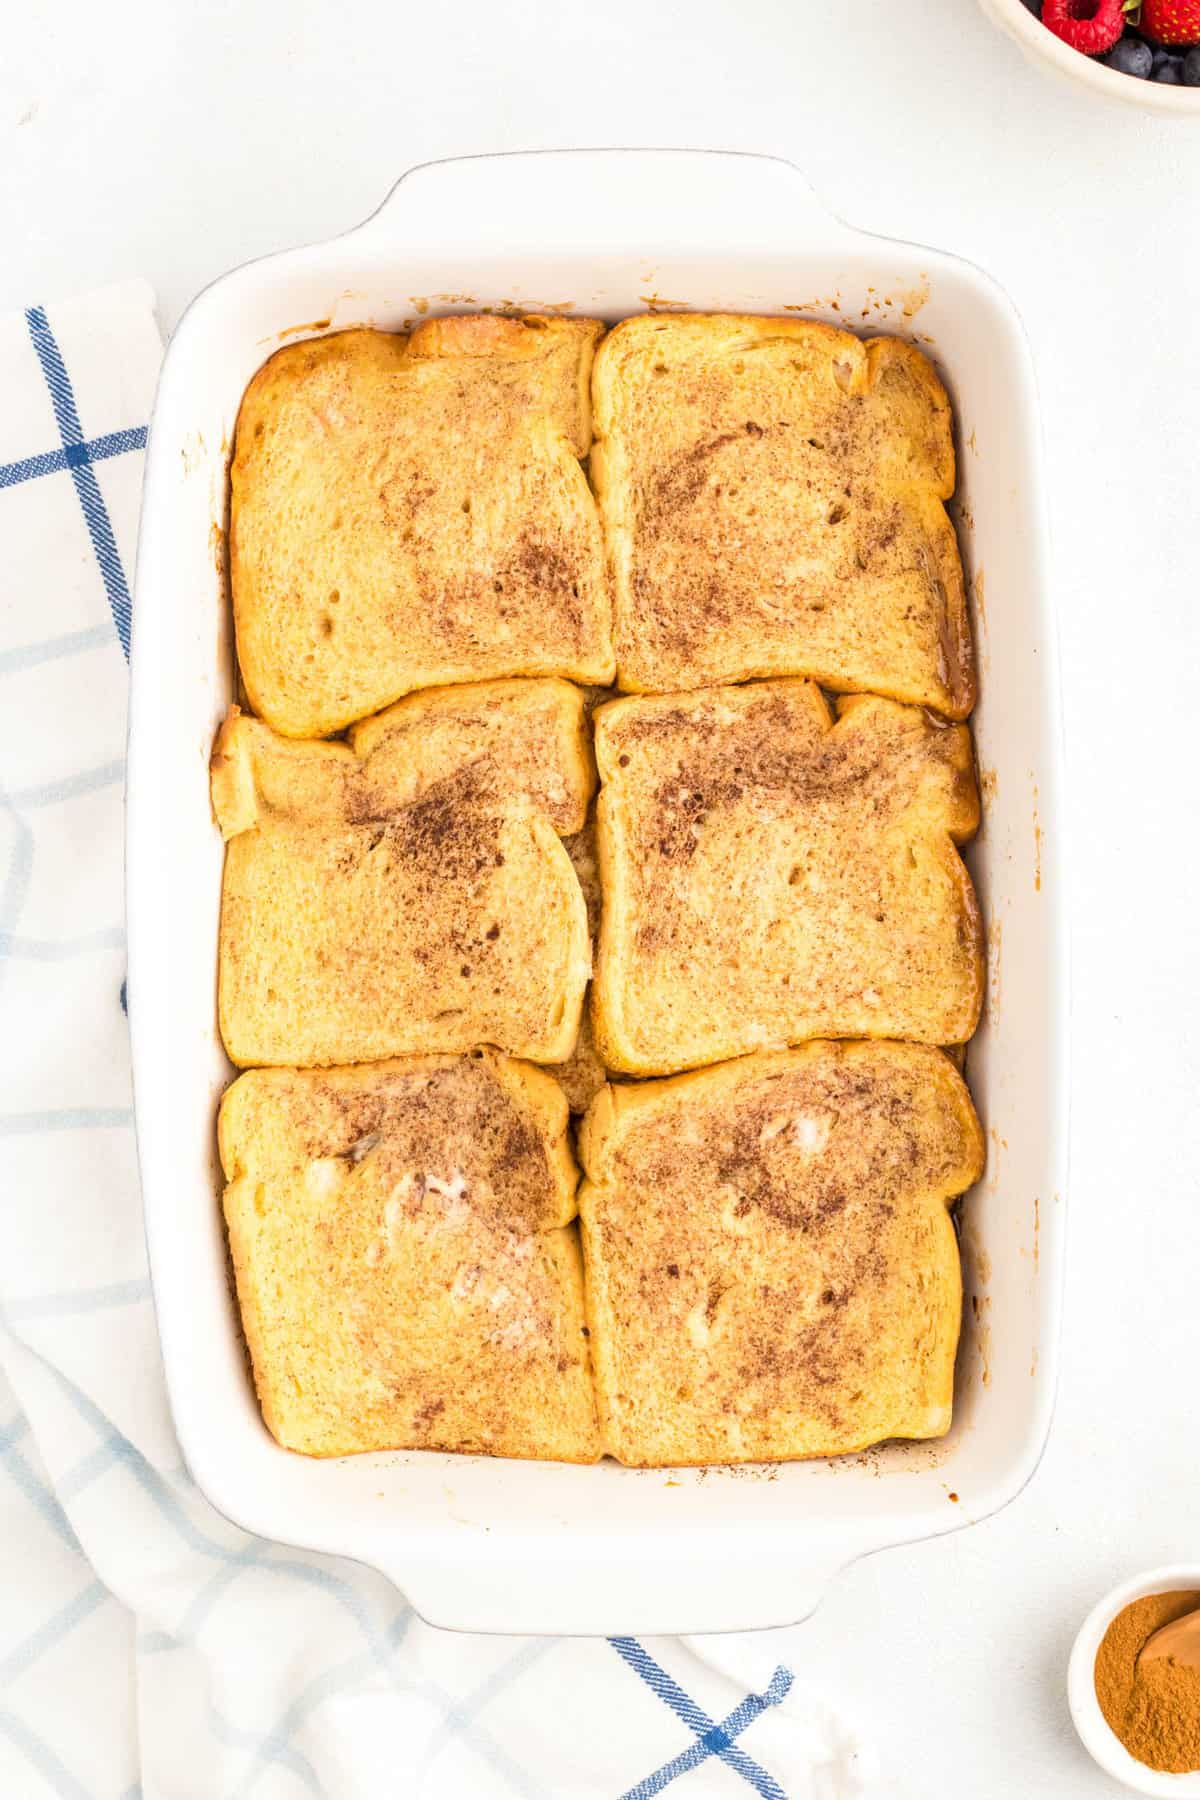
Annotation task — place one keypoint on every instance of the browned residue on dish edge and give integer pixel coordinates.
(312, 325)
(826, 302)
(979, 618)
(984, 1340)
(913, 299)
(192, 452)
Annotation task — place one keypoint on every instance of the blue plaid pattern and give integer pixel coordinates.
(129, 1580)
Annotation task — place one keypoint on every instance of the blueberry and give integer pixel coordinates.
(1130, 56)
(1035, 7)
(1162, 55)
(1191, 67)
(1168, 72)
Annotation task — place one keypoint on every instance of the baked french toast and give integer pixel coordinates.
(736, 877)
(773, 495)
(406, 1261)
(773, 873)
(771, 1267)
(410, 510)
(413, 898)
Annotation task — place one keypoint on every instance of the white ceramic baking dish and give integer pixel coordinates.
(531, 1547)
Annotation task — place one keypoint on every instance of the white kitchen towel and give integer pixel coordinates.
(147, 1647)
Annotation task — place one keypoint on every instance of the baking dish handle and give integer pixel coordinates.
(588, 1584)
(602, 200)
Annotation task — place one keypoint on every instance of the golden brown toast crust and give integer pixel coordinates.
(771, 1269)
(409, 512)
(406, 1262)
(772, 493)
(770, 875)
(396, 902)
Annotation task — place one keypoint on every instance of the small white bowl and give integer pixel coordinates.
(1094, 1731)
(1042, 46)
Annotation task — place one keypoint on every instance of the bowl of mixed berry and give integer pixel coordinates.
(1145, 51)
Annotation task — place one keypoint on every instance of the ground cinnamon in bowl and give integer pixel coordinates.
(1153, 1706)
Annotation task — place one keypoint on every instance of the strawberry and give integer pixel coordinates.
(1092, 26)
(1171, 21)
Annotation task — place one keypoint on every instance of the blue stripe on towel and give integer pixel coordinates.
(95, 512)
(53, 462)
(711, 1739)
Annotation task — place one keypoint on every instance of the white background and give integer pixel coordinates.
(173, 140)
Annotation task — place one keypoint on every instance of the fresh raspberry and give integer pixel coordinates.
(1092, 26)
(1171, 21)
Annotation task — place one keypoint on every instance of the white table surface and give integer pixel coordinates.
(190, 137)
